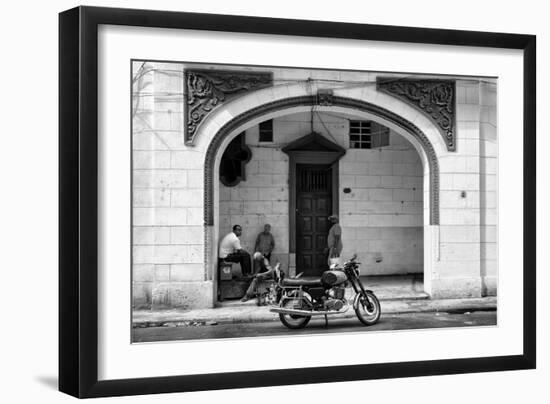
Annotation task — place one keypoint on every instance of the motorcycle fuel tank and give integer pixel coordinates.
(333, 277)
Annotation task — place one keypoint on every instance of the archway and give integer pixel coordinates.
(387, 116)
(398, 123)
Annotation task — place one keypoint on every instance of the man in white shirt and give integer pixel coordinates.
(231, 250)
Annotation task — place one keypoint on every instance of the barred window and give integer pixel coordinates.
(368, 135)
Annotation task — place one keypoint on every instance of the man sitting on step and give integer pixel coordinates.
(266, 272)
(231, 250)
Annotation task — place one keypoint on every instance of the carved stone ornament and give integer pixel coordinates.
(435, 98)
(324, 98)
(207, 89)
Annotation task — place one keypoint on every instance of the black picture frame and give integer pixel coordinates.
(78, 200)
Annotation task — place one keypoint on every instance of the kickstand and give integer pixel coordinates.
(326, 320)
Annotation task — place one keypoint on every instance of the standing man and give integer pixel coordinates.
(265, 243)
(231, 250)
(334, 239)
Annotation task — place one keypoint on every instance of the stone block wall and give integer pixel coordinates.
(261, 199)
(466, 254)
(167, 196)
(383, 214)
(488, 166)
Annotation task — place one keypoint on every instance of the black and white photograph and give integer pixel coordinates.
(275, 201)
(242, 201)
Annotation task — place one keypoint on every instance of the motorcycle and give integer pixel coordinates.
(296, 300)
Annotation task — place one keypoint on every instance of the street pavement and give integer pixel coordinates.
(249, 312)
(397, 321)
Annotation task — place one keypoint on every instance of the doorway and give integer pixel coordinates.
(314, 194)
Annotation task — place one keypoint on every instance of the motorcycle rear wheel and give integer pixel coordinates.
(367, 308)
(293, 321)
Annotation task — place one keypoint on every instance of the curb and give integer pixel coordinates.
(262, 313)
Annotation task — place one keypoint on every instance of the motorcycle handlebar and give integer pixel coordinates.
(352, 260)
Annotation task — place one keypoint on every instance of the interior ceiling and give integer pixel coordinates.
(326, 117)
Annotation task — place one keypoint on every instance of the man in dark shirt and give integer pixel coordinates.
(265, 243)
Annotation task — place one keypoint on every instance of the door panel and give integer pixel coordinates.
(321, 258)
(314, 205)
(320, 242)
(321, 223)
(305, 262)
(305, 243)
(305, 223)
(305, 205)
(322, 206)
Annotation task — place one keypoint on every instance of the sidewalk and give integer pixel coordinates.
(237, 312)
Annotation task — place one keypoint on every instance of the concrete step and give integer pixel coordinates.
(391, 295)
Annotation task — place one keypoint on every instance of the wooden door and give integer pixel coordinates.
(313, 206)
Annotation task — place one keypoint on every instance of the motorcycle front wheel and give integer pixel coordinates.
(293, 321)
(367, 308)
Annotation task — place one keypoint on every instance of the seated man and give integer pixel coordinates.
(266, 272)
(231, 251)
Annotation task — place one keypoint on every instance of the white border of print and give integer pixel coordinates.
(118, 359)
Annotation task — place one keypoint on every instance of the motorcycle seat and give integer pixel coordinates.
(302, 282)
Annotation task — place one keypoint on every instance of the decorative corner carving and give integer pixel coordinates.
(435, 98)
(206, 89)
(324, 97)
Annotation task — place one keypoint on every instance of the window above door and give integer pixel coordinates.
(368, 135)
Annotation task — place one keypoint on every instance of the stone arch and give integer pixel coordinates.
(309, 101)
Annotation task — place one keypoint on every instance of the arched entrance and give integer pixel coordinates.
(398, 123)
(404, 126)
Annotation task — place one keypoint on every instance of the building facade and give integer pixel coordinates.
(409, 164)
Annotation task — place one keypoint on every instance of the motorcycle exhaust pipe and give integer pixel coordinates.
(296, 312)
